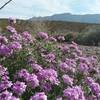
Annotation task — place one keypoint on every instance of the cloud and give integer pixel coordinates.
(95, 8)
(30, 8)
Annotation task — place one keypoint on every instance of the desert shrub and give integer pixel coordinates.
(93, 38)
(92, 35)
(69, 37)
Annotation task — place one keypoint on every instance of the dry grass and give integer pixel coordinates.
(52, 27)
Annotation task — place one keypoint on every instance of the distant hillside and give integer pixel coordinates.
(87, 18)
(54, 27)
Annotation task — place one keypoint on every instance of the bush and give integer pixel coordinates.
(69, 37)
(93, 38)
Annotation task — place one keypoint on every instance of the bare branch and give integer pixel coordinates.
(5, 4)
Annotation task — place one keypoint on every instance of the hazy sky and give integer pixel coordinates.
(29, 8)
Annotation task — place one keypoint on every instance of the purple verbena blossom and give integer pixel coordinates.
(19, 88)
(74, 93)
(39, 96)
(42, 35)
(68, 80)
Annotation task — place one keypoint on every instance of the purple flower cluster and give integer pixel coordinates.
(7, 47)
(15, 41)
(12, 20)
(52, 39)
(39, 96)
(5, 84)
(63, 48)
(42, 35)
(64, 67)
(19, 87)
(15, 45)
(49, 57)
(42, 68)
(11, 29)
(27, 37)
(30, 79)
(60, 38)
(36, 67)
(4, 79)
(83, 67)
(3, 39)
(7, 96)
(48, 75)
(74, 93)
(5, 50)
(68, 80)
(95, 87)
(15, 37)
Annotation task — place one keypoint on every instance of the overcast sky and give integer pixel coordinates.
(28, 8)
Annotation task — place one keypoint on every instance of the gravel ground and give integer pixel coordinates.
(92, 50)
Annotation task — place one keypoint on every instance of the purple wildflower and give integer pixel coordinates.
(19, 87)
(15, 46)
(32, 81)
(48, 75)
(46, 86)
(5, 95)
(52, 39)
(36, 67)
(5, 85)
(39, 96)
(16, 37)
(12, 20)
(27, 37)
(68, 80)
(49, 57)
(64, 67)
(42, 35)
(3, 39)
(5, 50)
(23, 74)
(83, 67)
(11, 29)
(74, 93)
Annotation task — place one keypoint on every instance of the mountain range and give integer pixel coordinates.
(86, 18)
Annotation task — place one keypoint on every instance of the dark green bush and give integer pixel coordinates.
(69, 37)
(93, 38)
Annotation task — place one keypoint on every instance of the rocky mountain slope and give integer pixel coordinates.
(86, 18)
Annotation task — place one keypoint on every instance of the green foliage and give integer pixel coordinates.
(88, 38)
(15, 62)
(69, 37)
(93, 38)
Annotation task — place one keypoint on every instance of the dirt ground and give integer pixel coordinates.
(92, 50)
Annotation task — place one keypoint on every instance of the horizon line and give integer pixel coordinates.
(52, 15)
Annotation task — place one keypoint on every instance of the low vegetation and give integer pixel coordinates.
(41, 67)
(84, 34)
